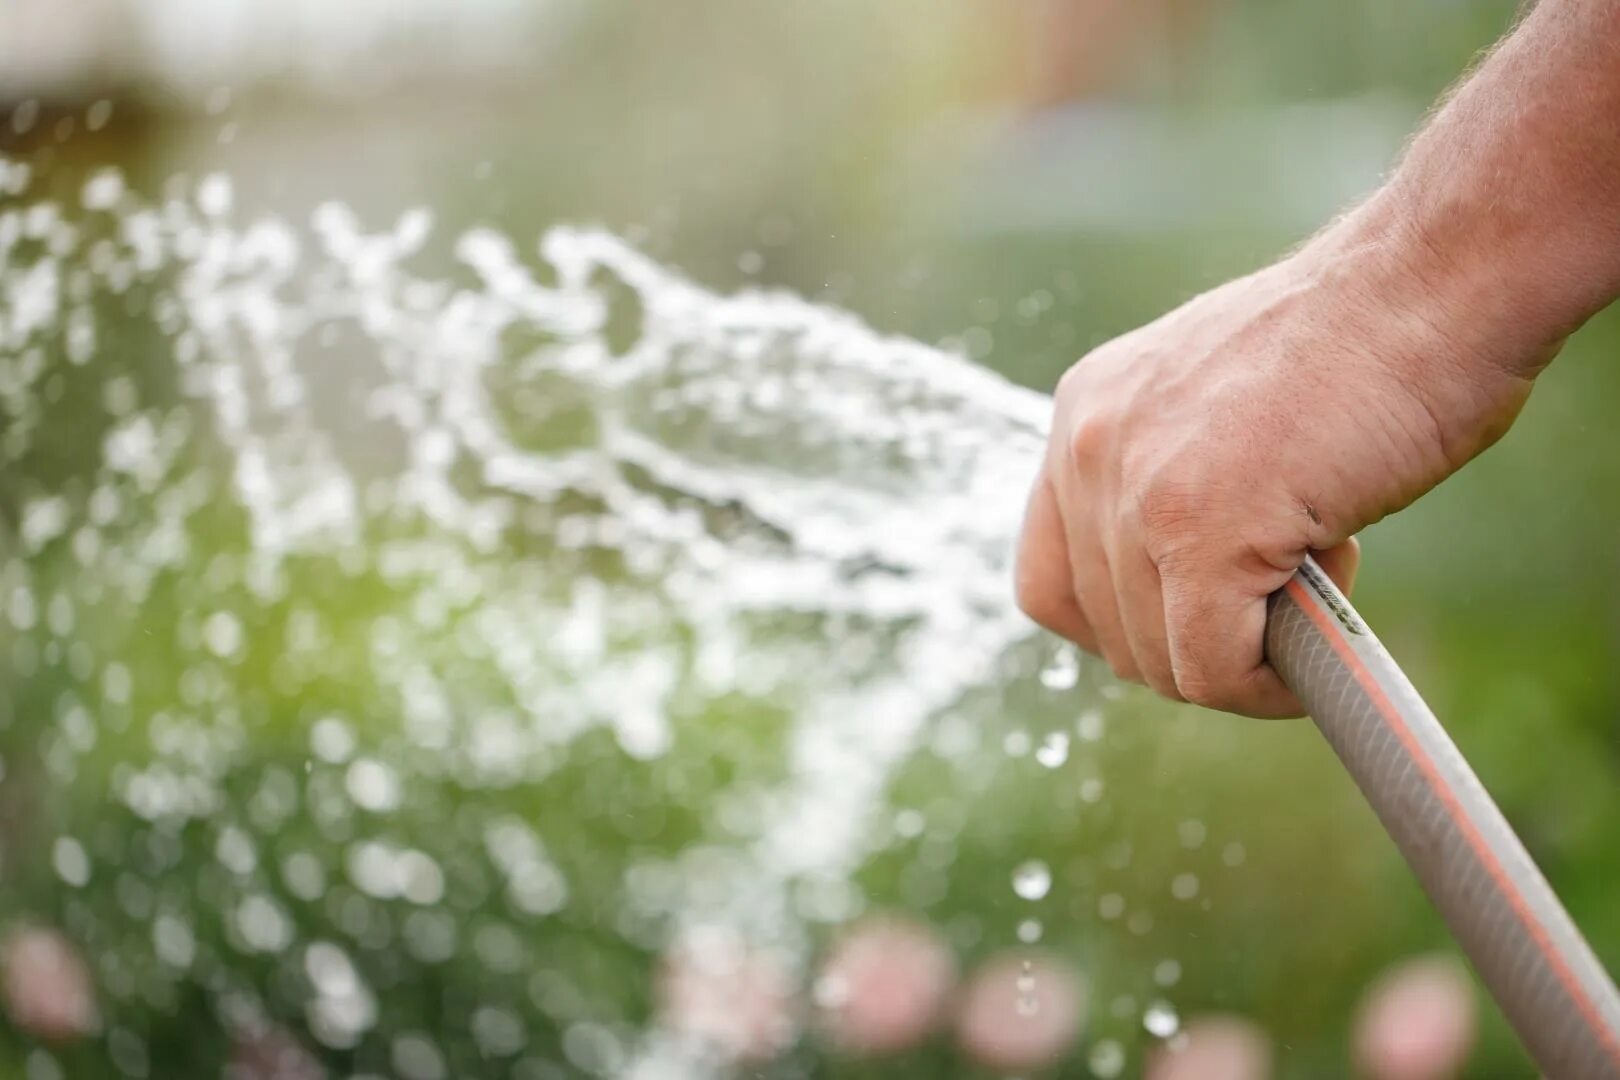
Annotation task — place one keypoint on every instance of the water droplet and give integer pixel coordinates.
(1054, 750)
(372, 785)
(410, 232)
(21, 608)
(499, 1032)
(116, 683)
(1027, 1003)
(344, 1008)
(103, 190)
(42, 1066)
(234, 850)
(1160, 1019)
(830, 992)
(1233, 854)
(1029, 931)
(331, 740)
(214, 195)
(24, 116)
(1192, 833)
(1110, 906)
(1090, 725)
(173, 941)
(1063, 672)
(1167, 973)
(71, 861)
(1016, 743)
(222, 633)
(1184, 886)
(1107, 1059)
(420, 879)
(1032, 880)
(43, 520)
(304, 875)
(262, 924)
(909, 823)
(416, 1058)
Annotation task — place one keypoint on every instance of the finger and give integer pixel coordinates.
(1044, 587)
(1094, 588)
(1341, 562)
(1088, 562)
(1215, 634)
(1140, 598)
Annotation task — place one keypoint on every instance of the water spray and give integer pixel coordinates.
(1525, 947)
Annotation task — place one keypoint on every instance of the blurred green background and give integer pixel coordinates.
(1015, 181)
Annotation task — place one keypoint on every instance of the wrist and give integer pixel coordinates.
(1441, 336)
(1454, 299)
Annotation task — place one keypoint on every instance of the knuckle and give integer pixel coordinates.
(1089, 437)
(1211, 690)
(1164, 684)
(1069, 383)
(1197, 688)
(1172, 514)
(1196, 680)
(1079, 380)
(1123, 666)
(1086, 642)
(1037, 597)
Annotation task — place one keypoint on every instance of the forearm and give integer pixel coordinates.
(1505, 212)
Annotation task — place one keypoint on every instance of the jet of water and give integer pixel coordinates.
(440, 527)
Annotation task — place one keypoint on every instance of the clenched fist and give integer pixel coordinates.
(1195, 462)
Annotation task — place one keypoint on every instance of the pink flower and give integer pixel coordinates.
(1416, 1022)
(47, 987)
(884, 985)
(1020, 1011)
(734, 998)
(1213, 1048)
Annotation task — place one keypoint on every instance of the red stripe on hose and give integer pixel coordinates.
(1437, 783)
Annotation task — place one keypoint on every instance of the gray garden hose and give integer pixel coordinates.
(1525, 947)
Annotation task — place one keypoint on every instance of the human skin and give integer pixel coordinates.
(1195, 462)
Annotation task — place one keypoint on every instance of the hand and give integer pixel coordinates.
(1195, 462)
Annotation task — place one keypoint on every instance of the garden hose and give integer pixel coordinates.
(1526, 949)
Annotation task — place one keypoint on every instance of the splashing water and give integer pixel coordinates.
(1032, 880)
(381, 582)
(1107, 1059)
(1027, 1004)
(1160, 1019)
